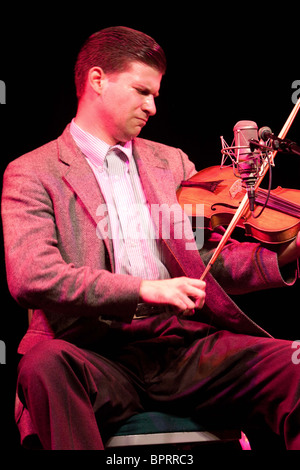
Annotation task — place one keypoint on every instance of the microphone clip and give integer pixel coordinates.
(256, 145)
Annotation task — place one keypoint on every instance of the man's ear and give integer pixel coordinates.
(96, 77)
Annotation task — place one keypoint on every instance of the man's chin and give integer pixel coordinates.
(131, 135)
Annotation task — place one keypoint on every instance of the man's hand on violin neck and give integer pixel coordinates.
(289, 252)
(183, 293)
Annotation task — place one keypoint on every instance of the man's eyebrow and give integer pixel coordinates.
(146, 90)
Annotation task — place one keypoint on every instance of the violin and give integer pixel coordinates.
(240, 215)
(221, 194)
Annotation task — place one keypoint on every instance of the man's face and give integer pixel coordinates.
(127, 101)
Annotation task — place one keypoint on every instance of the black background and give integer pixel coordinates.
(224, 65)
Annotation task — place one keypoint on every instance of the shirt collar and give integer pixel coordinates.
(94, 148)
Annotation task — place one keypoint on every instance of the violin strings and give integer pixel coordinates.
(278, 203)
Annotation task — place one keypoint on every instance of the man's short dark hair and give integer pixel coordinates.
(113, 49)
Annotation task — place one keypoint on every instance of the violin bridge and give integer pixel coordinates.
(236, 188)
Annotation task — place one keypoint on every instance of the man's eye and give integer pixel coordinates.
(142, 91)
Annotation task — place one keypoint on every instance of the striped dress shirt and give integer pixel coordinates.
(136, 248)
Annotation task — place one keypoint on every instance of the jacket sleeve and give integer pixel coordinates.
(244, 267)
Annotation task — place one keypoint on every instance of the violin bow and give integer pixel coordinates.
(245, 202)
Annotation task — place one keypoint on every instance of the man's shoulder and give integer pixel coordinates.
(33, 160)
(151, 145)
(152, 151)
(164, 155)
(48, 152)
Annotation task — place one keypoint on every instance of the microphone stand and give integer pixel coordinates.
(245, 202)
(286, 146)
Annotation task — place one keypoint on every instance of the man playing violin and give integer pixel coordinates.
(123, 323)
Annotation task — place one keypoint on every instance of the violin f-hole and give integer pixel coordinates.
(222, 204)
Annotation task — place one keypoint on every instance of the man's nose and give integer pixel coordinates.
(149, 105)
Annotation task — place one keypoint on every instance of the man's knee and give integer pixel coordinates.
(44, 360)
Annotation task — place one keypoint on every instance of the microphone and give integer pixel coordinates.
(247, 161)
(283, 145)
(265, 133)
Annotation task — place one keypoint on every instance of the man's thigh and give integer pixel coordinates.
(70, 371)
(231, 375)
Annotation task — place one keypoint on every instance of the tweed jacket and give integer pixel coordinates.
(59, 265)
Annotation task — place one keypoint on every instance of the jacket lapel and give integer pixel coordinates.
(80, 177)
(159, 188)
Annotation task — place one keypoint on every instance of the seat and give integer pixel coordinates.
(156, 429)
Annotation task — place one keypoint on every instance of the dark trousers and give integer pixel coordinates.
(76, 397)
